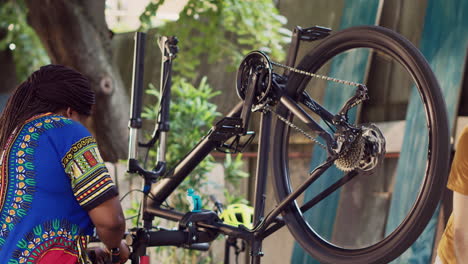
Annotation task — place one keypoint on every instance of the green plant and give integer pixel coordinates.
(133, 211)
(222, 31)
(233, 174)
(191, 117)
(28, 52)
(211, 32)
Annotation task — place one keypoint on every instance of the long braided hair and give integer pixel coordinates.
(50, 89)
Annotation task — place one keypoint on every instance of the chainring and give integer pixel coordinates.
(255, 62)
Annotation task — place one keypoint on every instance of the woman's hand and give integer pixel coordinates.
(99, 255)
(124, 252)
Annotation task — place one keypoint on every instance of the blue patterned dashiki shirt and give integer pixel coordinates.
(51, 174)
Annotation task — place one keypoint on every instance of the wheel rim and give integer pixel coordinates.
(362, 249)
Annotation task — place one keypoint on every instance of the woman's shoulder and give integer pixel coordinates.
(58, 132)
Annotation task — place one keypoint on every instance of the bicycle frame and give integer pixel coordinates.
(196, 228)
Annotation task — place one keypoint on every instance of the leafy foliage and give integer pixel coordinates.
(214, 31)
(234, 173)
(191, 116)
(28, 51)
(211, 32)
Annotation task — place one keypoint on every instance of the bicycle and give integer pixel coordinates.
(350, 138)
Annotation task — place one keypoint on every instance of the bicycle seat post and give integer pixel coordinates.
(293, 48)
(305, 34)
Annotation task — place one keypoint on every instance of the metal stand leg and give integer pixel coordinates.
(227, 251)
(260, 184)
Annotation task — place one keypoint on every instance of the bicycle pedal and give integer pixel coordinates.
(245, 140)
(237, 144)
(190, 218)
(226, 128)
(229, 124)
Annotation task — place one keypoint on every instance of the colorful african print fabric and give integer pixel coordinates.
(51, 174)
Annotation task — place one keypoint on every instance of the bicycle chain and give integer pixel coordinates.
(313, 75)
(323, 77)
(290, 124)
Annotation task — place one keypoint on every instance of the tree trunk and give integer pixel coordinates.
(7, 71)
(75, 34)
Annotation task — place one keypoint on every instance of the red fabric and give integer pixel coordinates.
(58, 256)
(90, 158)
(144, 260)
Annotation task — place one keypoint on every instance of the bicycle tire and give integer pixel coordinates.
(400, 49)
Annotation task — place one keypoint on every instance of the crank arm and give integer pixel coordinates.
(248, 102)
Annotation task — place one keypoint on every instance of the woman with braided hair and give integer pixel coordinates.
(54, 186)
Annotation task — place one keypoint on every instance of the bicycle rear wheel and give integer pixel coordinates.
(366, 200)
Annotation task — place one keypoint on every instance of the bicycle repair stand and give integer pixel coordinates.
(187, 236)
(196, 229)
